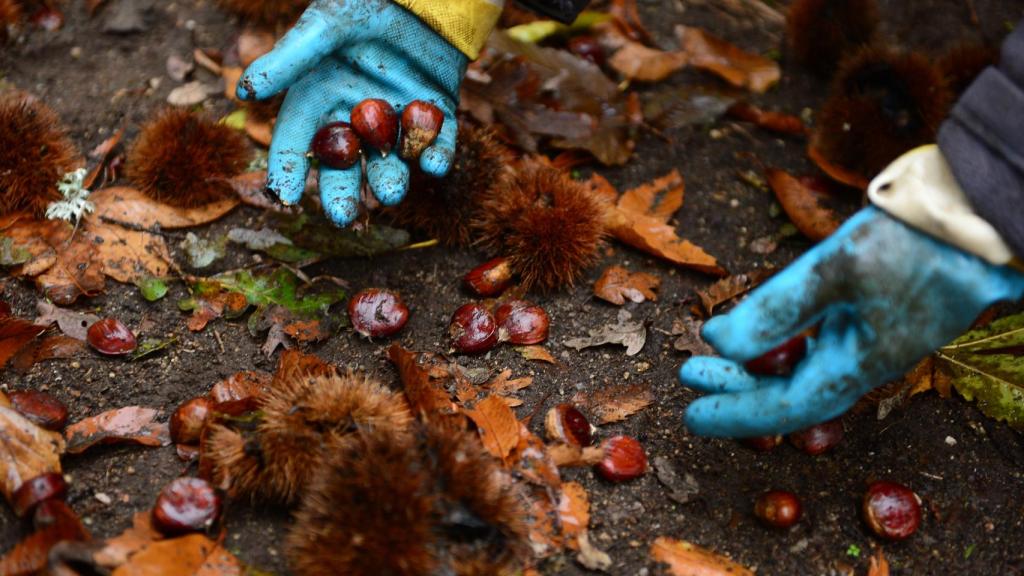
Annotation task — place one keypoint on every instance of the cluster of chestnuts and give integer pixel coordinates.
(477, 328)
(375, 124)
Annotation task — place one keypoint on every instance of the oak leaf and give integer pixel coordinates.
(617, 285)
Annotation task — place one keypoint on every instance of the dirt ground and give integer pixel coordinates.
(966, 467)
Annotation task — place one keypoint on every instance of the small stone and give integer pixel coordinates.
(103, 497)
(950, 441)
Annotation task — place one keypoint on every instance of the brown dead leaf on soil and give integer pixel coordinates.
(32, 554)
(767, 119)
(686, 559)
(614, 403)
(241, 386)
(130, 207)
(688, 338)
(640, 219)
(638, 62)
(803, 205)
(56, 347)
(878, 565)
(497, 424)
(574, 511)
(729, 288)
(26, 450)
(424, 378)
(504, 384)
(15, 335)
(192, 555)
(130, 424)
(617, 285)
(536, 352)
(735, 66)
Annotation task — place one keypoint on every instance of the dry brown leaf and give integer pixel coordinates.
(617, 285)
(50, 348)
(573, 511)
(76, 270)
(424, 379)
(614, 403)
(305, 331)
(660, 198)
(570, 456)
(192, 555)
(929, 375)
(503, 383)
(772, 121)
(536, 352)
(638, 62)
(497, 424)
(32, 555)
(26, 450)
(130, 424)
(739, 68)
(803, 205)
(130, 207)
(241, 386)
(728, 288)
(686, 559)
(878, 566)
(640, 219)
(689, 340)
(127, 255)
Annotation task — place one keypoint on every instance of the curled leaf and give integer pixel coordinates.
(803, 205)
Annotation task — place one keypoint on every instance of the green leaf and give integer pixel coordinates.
(279, 288)
(11, 255)
(152, 289)
(151, 346)
(987, 367)
(235, 120)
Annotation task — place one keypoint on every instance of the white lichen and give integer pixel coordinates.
(76, 198)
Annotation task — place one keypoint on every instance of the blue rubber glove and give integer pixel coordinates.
(887, 296)
(338, 54)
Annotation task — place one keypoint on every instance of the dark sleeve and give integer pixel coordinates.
(983, 141)
(564, 11)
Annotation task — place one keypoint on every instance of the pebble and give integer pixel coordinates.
(950, 441)
(103, 497)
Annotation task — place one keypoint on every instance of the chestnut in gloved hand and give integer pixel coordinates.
(340, 53)
(885, 295)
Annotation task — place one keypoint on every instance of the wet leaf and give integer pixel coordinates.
(638, 62)
(987, 367)
(614, 403)
(131, 207)
(686, 559)
(878, 565)
(152, 289)
(133, 424)
(26, 449)
(803, 205)
(739, 68)
(617, 285)
(625, 332)
(16, 334)
(50, 348)
(679, 107)
(497, 424)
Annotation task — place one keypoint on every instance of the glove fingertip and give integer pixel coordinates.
(437, 161)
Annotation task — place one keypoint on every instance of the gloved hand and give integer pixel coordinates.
(887, 296)
(339, 53)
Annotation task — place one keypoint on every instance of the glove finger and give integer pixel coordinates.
(437, 159)
(339, 193)
(824, 386)
(793, 299)
(388, 177)
(311, 39)
(717, 375)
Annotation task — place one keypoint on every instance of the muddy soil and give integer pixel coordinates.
(966, 467)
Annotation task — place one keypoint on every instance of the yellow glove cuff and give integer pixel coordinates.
(466, 24)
